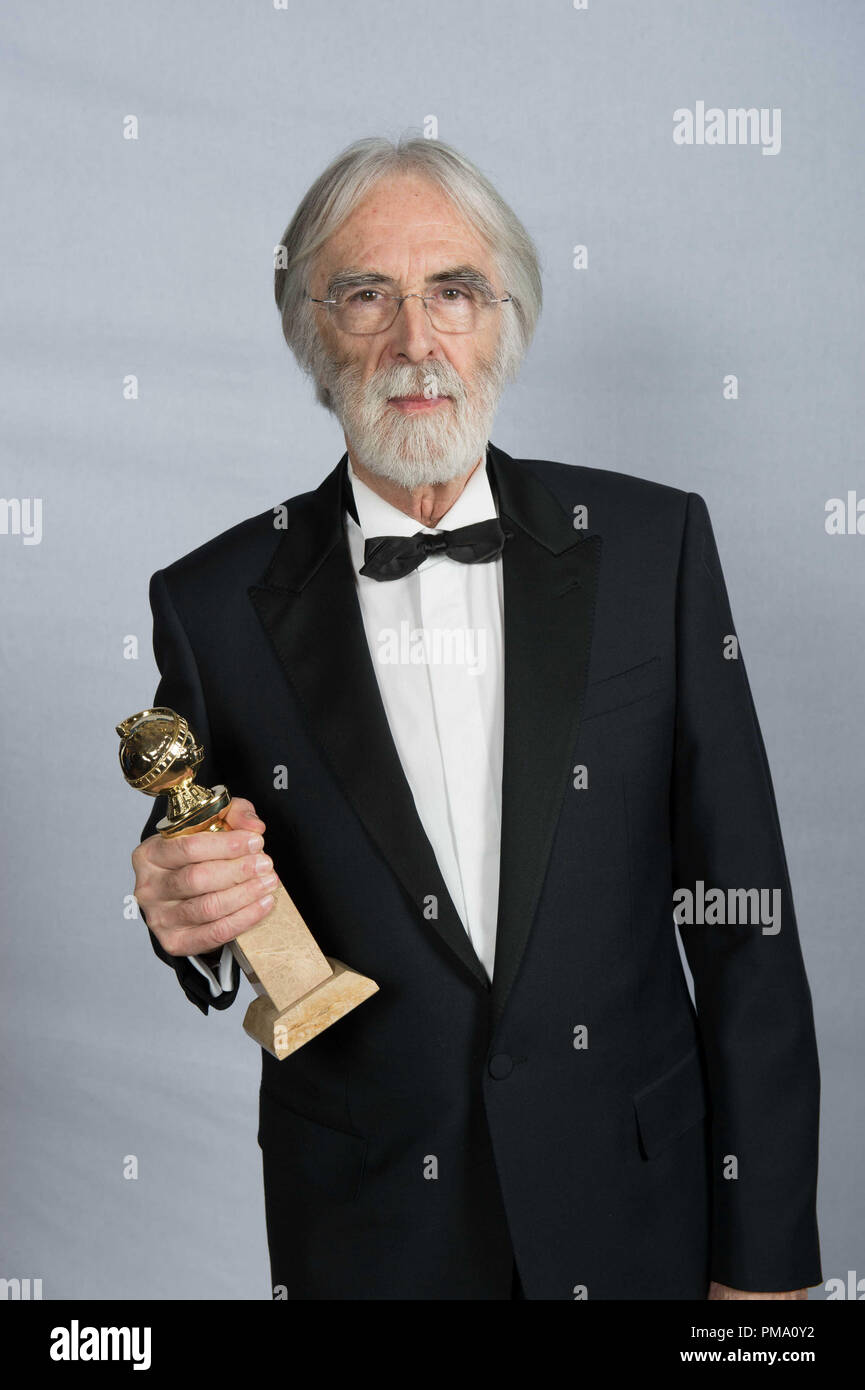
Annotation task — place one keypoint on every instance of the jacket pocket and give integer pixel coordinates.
(623, 688)
(330, 1161)
(672, 1104)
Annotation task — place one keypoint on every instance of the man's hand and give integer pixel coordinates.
(717, 1291)
(202, 890)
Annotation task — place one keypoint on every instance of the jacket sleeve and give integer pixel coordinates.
(180, 689)
(751, 991)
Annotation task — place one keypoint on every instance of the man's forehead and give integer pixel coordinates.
(398, 221)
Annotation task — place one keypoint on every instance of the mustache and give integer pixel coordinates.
(409, 381)
(434, 378)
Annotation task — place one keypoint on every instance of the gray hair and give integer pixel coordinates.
(334, 196)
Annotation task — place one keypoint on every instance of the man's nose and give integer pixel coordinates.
(411, 334)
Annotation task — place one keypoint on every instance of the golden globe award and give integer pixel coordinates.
(300, 992)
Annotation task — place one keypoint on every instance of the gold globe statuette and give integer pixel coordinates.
(299, 991)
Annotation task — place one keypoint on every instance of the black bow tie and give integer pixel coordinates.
(391, 557)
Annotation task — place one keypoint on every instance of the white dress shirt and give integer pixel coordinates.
(436, 639)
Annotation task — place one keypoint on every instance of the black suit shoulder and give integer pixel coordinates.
(242, 552)
(616, 502)
(561, 476)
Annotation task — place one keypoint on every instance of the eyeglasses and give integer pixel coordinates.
(452, 308)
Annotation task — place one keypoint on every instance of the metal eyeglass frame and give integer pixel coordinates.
(399, 303)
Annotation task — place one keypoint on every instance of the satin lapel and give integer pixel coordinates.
(308, 606)
(550, 576)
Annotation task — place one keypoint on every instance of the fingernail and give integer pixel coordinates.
(268, 881)
(263, 864)
(254, 842)
(266, 902)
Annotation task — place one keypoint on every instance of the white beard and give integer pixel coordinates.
(416, 449)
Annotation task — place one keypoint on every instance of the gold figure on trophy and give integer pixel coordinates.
(300, 992)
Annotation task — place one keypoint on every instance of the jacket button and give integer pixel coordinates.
(500, 1066)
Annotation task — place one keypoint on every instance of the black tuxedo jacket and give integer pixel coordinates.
(580, 1114)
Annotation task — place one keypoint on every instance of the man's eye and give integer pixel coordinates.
(453, 293)
(357, 297)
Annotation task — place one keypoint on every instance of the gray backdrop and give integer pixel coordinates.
(153, 257)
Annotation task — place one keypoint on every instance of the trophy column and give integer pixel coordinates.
(300, 991)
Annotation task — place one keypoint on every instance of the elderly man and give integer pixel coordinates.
(517, 731)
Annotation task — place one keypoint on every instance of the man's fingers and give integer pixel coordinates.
(202, 890)
(212, 876)
(241, 815)
(213, 906)
(204, 844)
(197, 941)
